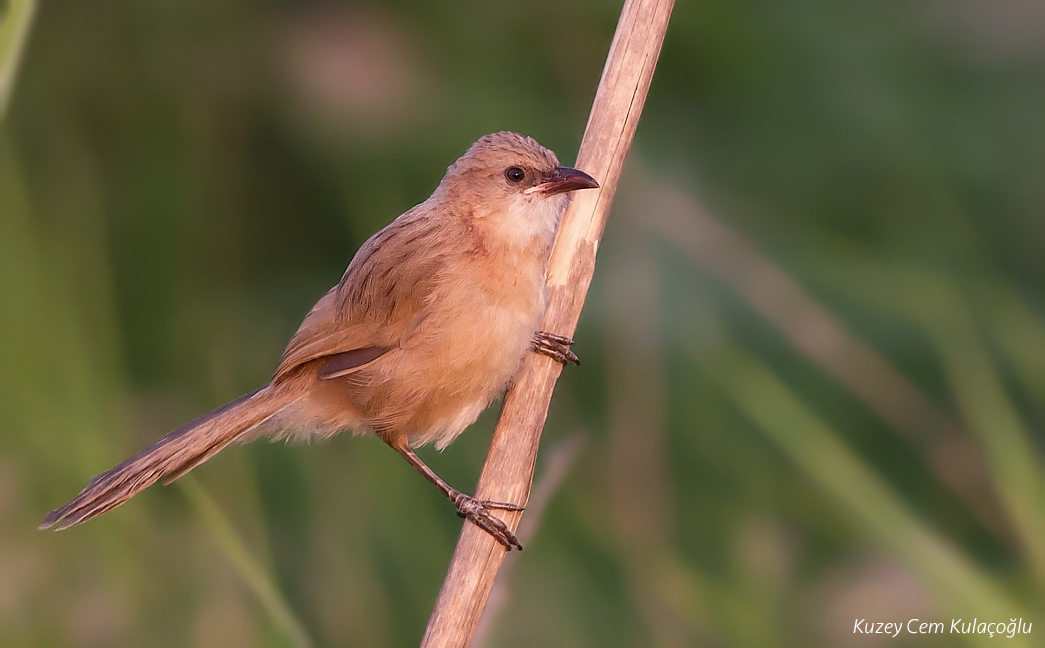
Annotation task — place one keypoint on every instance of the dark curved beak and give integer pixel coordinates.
(566, 179)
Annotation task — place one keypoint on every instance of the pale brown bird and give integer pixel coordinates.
(428, 325)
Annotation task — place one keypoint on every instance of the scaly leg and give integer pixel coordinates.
(474, 510)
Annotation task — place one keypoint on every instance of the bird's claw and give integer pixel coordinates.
(478, 513)
(554, 346)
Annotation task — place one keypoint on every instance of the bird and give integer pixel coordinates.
(429, 324)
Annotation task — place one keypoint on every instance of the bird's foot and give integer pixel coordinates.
(554, 346)
(478, 513)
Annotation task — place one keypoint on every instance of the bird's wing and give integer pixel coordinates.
(381, 298)
(321, 335)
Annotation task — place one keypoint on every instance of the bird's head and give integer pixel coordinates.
(511, 179)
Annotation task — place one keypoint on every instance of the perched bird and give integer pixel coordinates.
(429, 323)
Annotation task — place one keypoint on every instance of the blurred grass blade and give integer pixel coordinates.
(254, 575)
(1018, 332)
(870, 502)
(825, 340)
(15, 21)
(1015, 467)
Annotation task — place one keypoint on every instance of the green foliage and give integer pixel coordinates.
(179, 182)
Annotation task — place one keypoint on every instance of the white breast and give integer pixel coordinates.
(531, 217)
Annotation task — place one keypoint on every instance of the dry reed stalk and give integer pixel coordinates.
(508, 471)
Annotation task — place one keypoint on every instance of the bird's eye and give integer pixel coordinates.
(514, 175)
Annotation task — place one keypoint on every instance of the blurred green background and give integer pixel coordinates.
(813, 387)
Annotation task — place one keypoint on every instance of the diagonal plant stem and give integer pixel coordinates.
(1014, 462)
(1009, 469)
(1019, 334)
(508, 471)
(248, 567)
(861, 494)
(825, 340)
(16, 17)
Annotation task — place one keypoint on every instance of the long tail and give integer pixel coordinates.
(171, 457)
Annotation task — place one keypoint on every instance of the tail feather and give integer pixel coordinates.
(171, 457)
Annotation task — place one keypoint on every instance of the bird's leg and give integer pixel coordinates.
(554, 346)
(474, 510)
